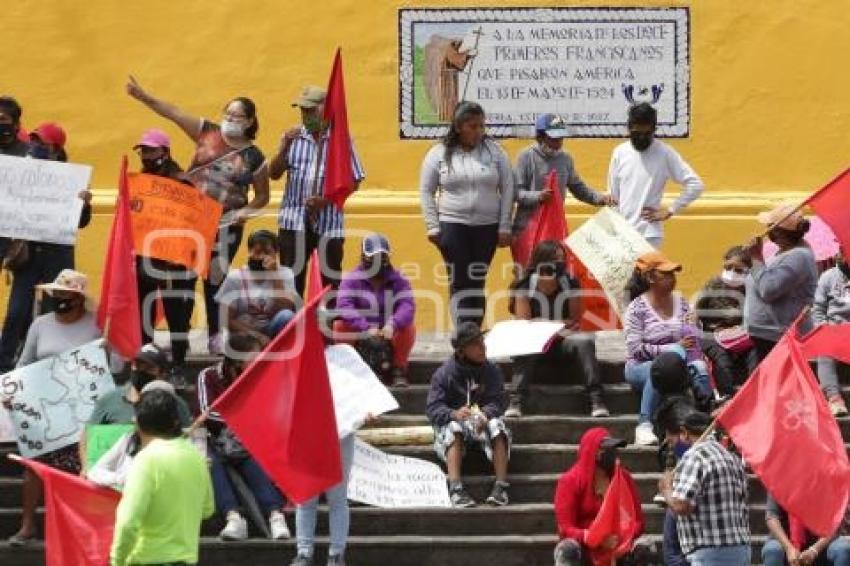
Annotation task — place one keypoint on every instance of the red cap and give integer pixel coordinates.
(51, 133)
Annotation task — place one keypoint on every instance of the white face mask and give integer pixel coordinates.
(232, 129)
(732, 278)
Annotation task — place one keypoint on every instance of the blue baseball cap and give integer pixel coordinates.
(551, 125)
(375, 244)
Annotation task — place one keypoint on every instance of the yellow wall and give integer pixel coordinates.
(769, 112)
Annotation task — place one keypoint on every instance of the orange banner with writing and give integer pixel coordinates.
(173, 221)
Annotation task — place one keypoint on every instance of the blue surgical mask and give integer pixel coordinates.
(38, 151)
(680, 448)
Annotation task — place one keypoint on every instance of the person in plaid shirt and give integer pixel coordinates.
(708, 493)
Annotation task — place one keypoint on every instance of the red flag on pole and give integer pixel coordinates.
(831, 204)
(282, 410)
(118, 312)
(782, 425)
(618, 516)
(829, 340)
(339, 172)
(548, 223)
(79, 517)
(314, 277)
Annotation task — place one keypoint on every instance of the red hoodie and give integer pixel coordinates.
(576, 505)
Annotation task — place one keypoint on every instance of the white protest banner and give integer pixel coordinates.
(387, 480)
(609, 246)
(356, 389)
(510, 338)
(53, 398)
(39, 199)
(7, 429)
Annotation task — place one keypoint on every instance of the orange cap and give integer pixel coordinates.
(656, 261)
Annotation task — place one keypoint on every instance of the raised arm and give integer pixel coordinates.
(188, 123)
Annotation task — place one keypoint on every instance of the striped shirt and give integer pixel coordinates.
(648, 334)
(305, 163)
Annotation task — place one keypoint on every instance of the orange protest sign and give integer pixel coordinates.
(172, 221)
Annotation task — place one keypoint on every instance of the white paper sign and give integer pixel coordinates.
(609, 246)
(386, 480)
(39, 199)
(520, 337)
(53, 398)
(7, 429)
(356, 389)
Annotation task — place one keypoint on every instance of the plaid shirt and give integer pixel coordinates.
(714, 482)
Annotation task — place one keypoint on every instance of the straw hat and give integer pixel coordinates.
(68, 280)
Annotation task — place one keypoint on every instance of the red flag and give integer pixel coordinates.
(314, 277)
(282, 410)
(547, 224)
(782, 425)
(118, 312)
(339, 172)
(829, 340)
(831, 204)
(617, 516)
(79, 517)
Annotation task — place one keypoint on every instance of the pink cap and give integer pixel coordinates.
(154, 138)
(50, 133)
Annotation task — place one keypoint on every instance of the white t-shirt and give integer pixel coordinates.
(252, 294)
(48, 337)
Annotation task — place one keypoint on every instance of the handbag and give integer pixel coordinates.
(735, 340)
(377, 353)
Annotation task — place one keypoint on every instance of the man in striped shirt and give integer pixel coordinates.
(307, 220)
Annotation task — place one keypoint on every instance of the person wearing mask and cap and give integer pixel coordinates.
(578, 500)
(639, 170)
(34, 263)
(172, 283)
(10, 128)
(466, 404)
(375, 301)
(307, 221)
(536, 162)
(778, 289)
(225, 166)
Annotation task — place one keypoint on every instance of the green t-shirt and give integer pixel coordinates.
(167, 495)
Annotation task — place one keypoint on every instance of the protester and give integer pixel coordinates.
(547, 291)
(171, 283)
(720, 311)
(226, 449)
(832, 306)
(70, 326)
(466, 402)
(780, 288)
(473, 176)
(260, 297)
(790, 543)
(33, 263)
(307, 220)
(225, 165)
(639, 170)
(375, 303)
(167, 494)
(659, 321)
(708, 493)
(10, 125)
(579, 496)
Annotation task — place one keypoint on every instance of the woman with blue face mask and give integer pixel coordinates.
(226, 165)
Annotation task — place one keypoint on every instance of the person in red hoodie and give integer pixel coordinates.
(578, 500)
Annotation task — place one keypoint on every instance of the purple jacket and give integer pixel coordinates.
(362, 306)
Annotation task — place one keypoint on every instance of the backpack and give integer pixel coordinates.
(378, 355)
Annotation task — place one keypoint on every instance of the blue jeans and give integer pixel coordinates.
(638, 376)
(837, 553)
(738, 555)
(267, 495)
(670, 547)
(278, 322)
(337, 497)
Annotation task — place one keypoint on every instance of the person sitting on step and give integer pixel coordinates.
(578, 501)
(466, 402)
(791, 543)
(547, 291)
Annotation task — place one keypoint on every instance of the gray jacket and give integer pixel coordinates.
(832, 298)
(778, 290)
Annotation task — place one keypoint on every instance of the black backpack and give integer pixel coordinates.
(378, 355)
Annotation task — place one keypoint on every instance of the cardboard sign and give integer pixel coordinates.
(510, 338)
(39, 200)
(172, 221)
(100, 438)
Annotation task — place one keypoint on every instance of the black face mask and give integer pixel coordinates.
(64, 306)
(641, 140)
(38, 151)
(374, 269)
(7, 134)
(844, 266)
(152, 165)
(255, 264)
(139, 379)
(606, 459)
(231, 369)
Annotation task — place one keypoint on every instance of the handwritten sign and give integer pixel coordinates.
(7, 429)
(52, 399)
(100, 438)
(510, 338)
(356, 389)
(173, 222)
(39, 200)
(386, 480)
(586, 64)
(608, 246)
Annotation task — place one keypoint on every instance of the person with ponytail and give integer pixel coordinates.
(472, 216)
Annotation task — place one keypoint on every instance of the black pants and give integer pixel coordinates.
(176, 286)
(225, 247)
(763, 347)
(729, 369)
(578, 348)
(296, 247)
(468, 252)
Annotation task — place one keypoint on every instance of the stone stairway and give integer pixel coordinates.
(521, 534)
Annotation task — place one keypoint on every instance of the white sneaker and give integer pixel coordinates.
(236, 528)
(277, 525)
(644, 435)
